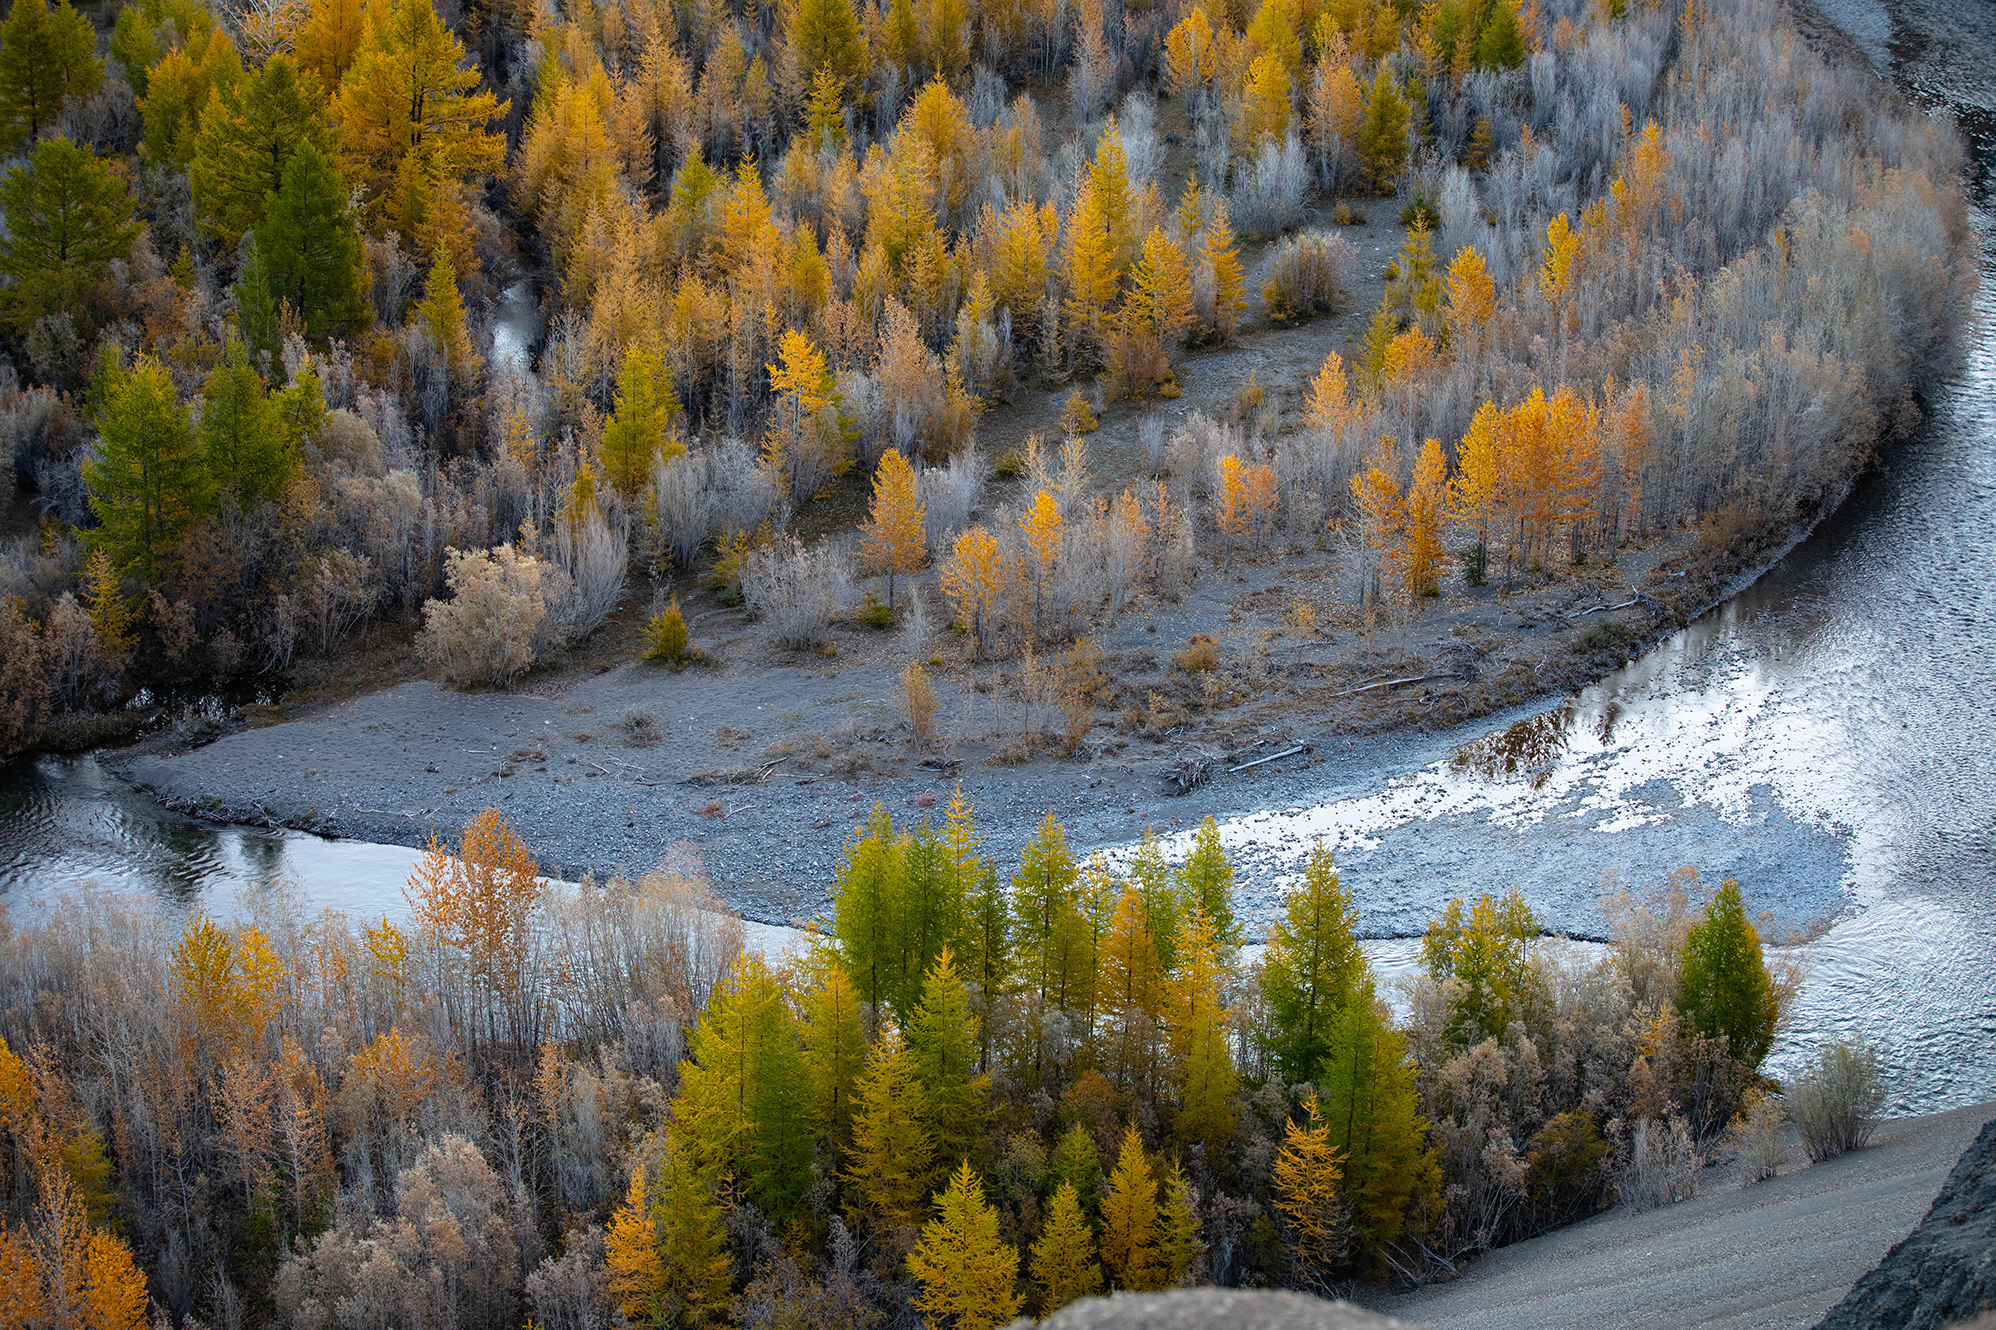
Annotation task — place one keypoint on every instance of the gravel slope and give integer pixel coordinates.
(1774, 1256)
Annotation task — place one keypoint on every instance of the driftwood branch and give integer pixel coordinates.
(1272, 757)
(1602, 609)
(1395, 683)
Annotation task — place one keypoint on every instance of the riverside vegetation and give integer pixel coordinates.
(960, 1097)
(1664, 268)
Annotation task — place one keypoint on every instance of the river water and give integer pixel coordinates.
(1827, 735)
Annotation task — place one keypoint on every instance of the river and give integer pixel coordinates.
(1828, 731)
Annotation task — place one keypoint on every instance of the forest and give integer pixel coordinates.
(959, 1096)
(1664, 268)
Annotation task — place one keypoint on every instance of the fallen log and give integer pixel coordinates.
(1272, 757)
(1394, 683)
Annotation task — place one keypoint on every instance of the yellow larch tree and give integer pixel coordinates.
(974, 579)
(1562, 259)
(1196, 1029)
(1217, 251)
(892, 538)
(1230, 506)
(1161, 289)
(969, 1275)
(1188, 54)
(1479, 493)
(1266, 99)
(409, 116)
(1041, 527)
(1472, 296)
(1315, 1221)
(888, 1165)
(1128, 996)
(1064, 1264)
(1427, 504)
(1130, 1219)
(1382, 519)
(331, 39)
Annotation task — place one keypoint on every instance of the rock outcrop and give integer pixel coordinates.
(1945, 1271)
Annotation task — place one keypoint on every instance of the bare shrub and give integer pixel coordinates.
(338, 595)
(920, 699)
(948, 494)
(484, 633)
(1835, 1103)
(640, 726)
(718, 487)
(796, 591)
(1757, 1135)
(1662, 1167)
(1268, 193)
(1150, 433)
(1307, 275)
(595, 556)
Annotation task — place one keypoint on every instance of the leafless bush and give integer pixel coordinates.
(1662, 1167)
(485, 632)
(640, 726)
(713, 489)
(797, 591)
(1307, 275)
(1835, 1103)
(1759, 1136)
(1268, 193)
(1150, 433)
(595, 557)
(915, 624)
(949, 495)
(1193, 457)
(339, 595)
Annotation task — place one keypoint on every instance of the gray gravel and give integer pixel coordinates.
(1772, 1256)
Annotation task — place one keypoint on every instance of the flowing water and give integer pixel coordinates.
(1827, 735)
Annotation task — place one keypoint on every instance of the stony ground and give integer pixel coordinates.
(1775, 1256)
(765, 758)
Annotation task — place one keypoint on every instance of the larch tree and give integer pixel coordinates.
(1487, 950)
(825, 37)
(409, 116)
(968, 1274)
(1129, 996)
(892, 1155)
(179, 90)
(68, 219)
(1725, 991)
(1163, 898)
(1178, 1243)
(1479, 494)
(1161, 288)
(1266, 98)
(1382, 135)
(778, 1170)
(893, 538)
(721, 1085)
(1368, 1099)
(1222, 259)
(47, 57)
(249, 451)
(442, 318)
(1472, 296)
(834, 1049)
(1206, 883)
(1041, 527)
(867, 910)
(1130, 1219)
(1427, 505)
(1382, 522)
(943, 1043)
(1197, 1027)
(331, 39)
(1312, 968)
(638, 1279)
(1315, 1224)
(635, 434)
(974, 580)
(147, 483)
(1064, 1265)
(692, 1244)
(246, 140)
(309, 244)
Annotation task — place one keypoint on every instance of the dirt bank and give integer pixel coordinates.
(1771, 1256)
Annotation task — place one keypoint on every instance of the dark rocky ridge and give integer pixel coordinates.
(1945, 1272)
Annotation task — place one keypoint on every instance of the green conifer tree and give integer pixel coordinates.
(637, 431)
(1312, 968)
(1488, 953)
(1725, 992)
(248, 448)
(1368, 1101)
(147, 483)
(1382, 134)
(67, 219)
(867, 912)
(1206, 882)
(312, 242)
(245, 142)
(834, 1048)
(256, 307)
(825, 39)
(1163, 898)
(942, 1040)
(47, 56)
(1076, 1161)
